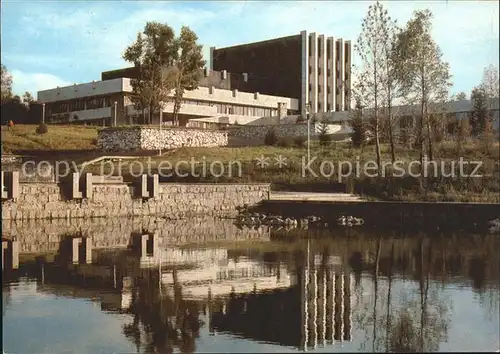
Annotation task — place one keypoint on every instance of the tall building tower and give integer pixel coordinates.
(314, 68)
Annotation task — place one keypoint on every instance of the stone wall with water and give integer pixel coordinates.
(39, 236)
(50, 201)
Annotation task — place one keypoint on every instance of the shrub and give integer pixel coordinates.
(285, 142)
(42, 129)
(324, 138)
(271, 138)
(299, 141)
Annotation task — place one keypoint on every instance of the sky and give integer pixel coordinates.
(45, 44)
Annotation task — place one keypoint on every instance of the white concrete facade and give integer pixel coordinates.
(326, 72)
(202, 102)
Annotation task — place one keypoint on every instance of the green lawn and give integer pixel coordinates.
(241, 162)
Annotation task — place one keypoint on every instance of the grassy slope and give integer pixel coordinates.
(67, 138)
(62, 138)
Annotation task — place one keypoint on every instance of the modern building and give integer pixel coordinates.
(311, 67)
(108, 102)
(294, 75)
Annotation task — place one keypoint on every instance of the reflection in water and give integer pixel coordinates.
(364, 292)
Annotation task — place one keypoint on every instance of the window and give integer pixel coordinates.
(319, 106)
(328, 89)
(310, 69)
(319, 48)
(328, 107)
(329, 72)
(310, 87)
(328, 49)
(337, 107)
(310, 46)
(319, 71)
(319, 89)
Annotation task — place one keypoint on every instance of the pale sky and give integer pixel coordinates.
(55, 43)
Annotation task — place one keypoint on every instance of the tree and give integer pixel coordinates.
(153, 54)
(462, 133)
(28, 99)
(359, 134)
(370, 47)
(391, 84)
(479, 111)
(324, 137)
(458, 97)
(490, 81)
(188, 64)
(424, 76)
(6, 84)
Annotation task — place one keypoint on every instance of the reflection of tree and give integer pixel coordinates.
(162, 323)
(421, 325)
(411, 321)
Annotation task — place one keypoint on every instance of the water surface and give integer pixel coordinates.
(242, 290)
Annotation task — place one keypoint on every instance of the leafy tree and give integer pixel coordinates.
(324, 137)
(6, 84)
(359, 134)
(459, 97)
(479, 112)
(28, 99)
(188, 63)
(153, 54)
(424, 76)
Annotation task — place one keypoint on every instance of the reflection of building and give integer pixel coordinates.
(314, 310)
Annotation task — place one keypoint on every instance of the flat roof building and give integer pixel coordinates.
(311, 67)
(94, 102)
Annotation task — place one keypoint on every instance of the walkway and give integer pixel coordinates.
(320, 197)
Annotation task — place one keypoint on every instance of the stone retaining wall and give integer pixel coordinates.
(255, 132)
(152, 138)
(46, 201)
(40, 236)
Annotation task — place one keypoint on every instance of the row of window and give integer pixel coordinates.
(78, 105)
(223, 108)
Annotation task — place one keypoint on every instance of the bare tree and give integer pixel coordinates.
(458, 96)
(424, 76)
(371, 47)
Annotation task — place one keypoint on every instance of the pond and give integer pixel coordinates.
(246, 290)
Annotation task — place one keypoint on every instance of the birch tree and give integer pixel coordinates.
(425, 76)
(370, 47)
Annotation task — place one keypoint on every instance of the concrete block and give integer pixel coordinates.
(14, 246)
(75, 186)
(10, 184)
(88, 185)
(154, 186)
(75, 250)
(5, 194)
(87, 245)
